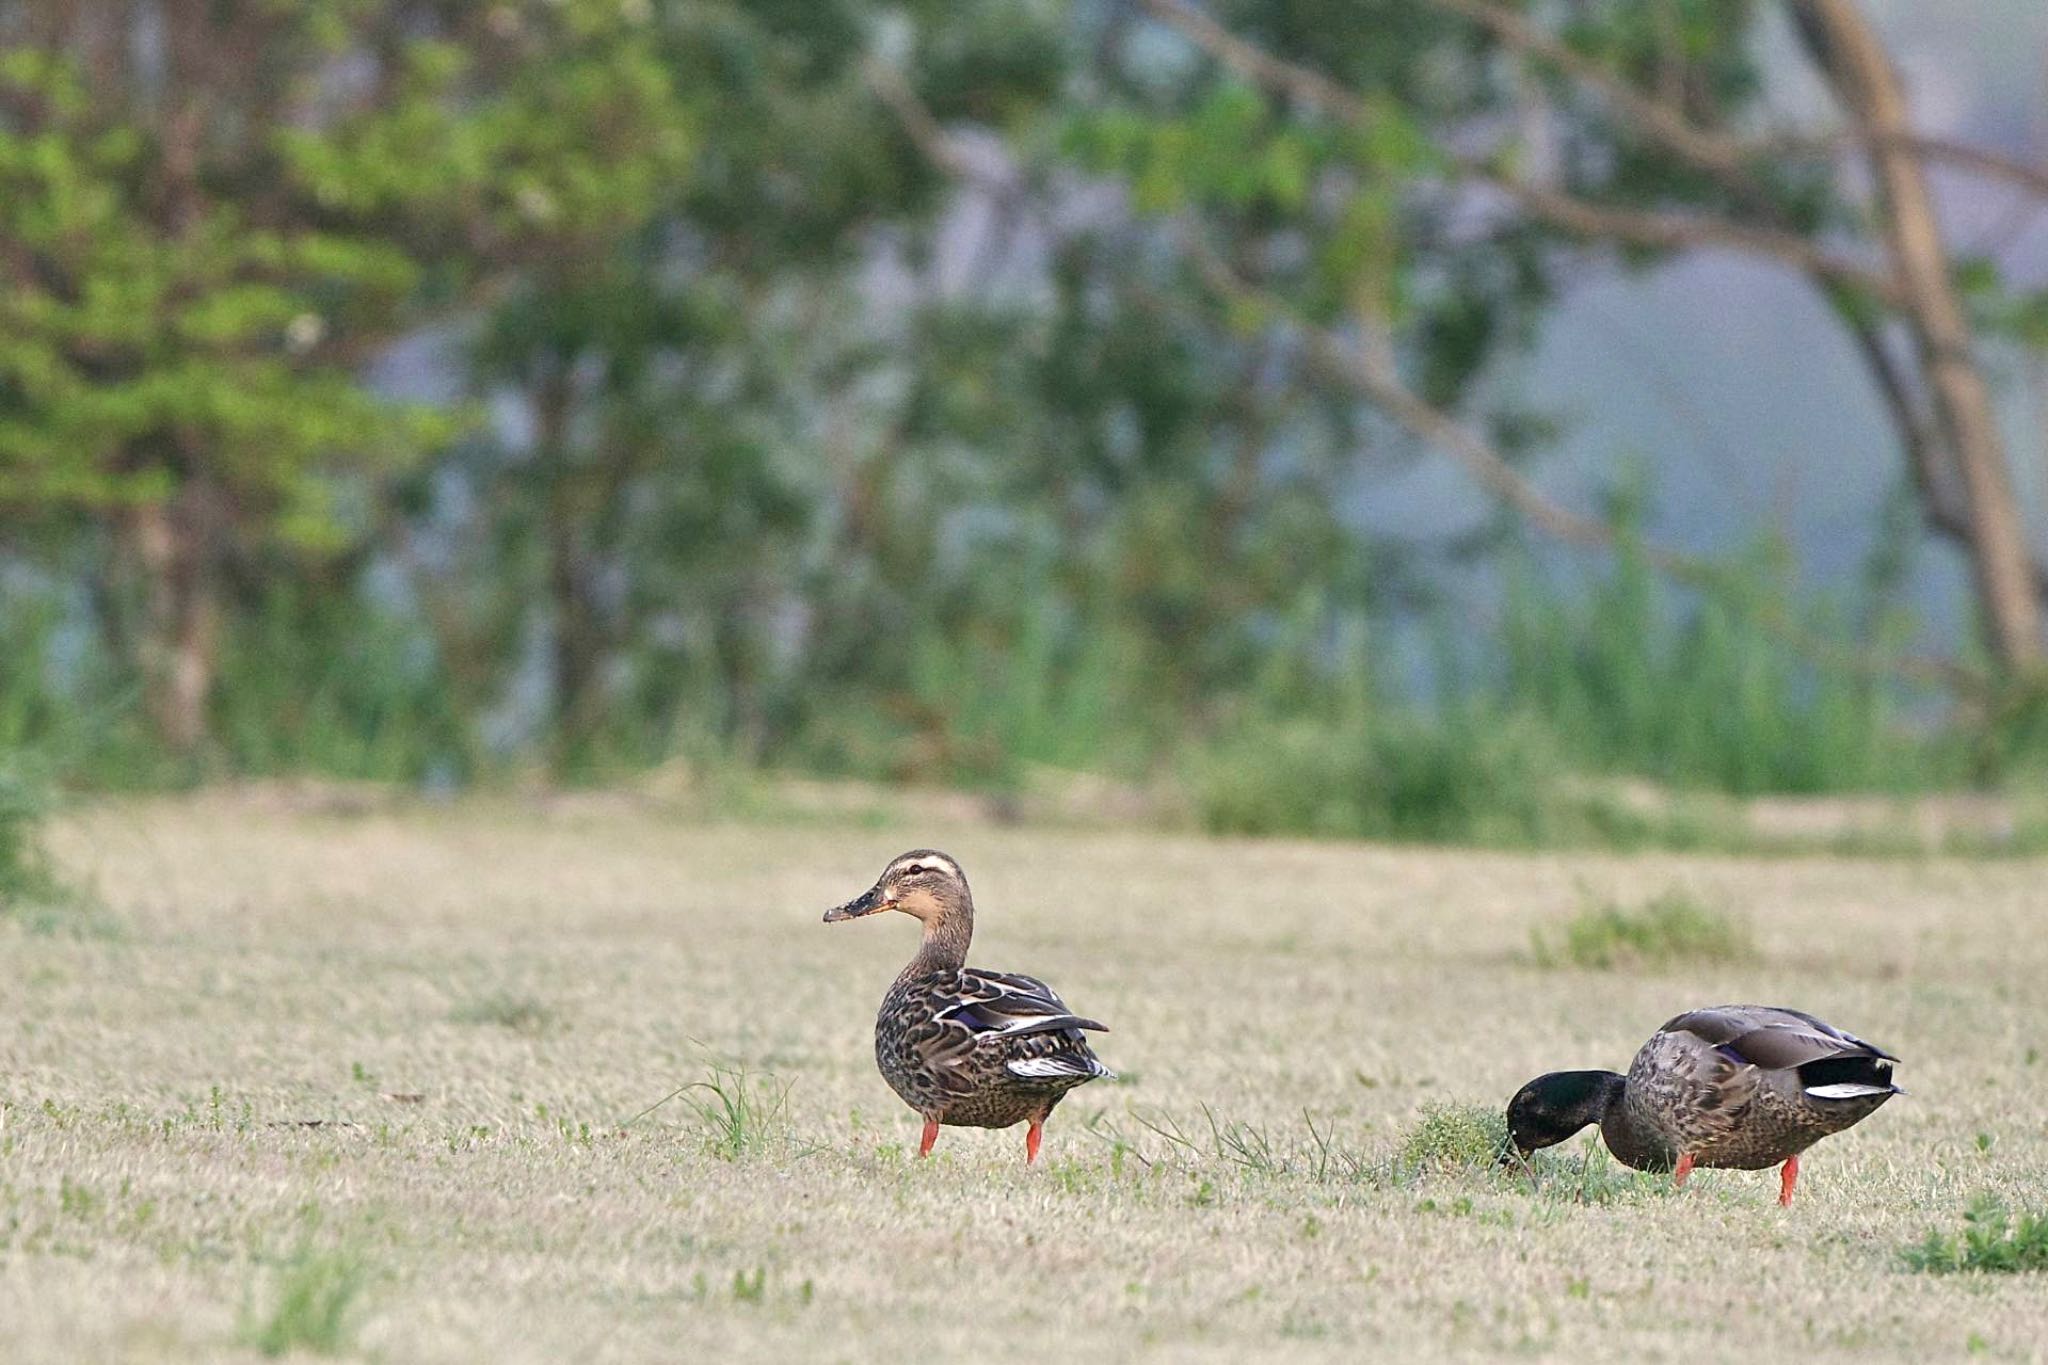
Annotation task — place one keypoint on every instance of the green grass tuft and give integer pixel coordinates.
(738, 1112)
(1468, 1142)
(1248, 1146)
(1455, 1137)
(1993, 1240)
(313, 1297)
(1672, 927)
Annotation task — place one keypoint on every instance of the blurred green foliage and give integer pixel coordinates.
(425, 392)
(32, 894)
(20, 861)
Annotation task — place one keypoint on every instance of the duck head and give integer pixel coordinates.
(1551, 1108)
(923, 883)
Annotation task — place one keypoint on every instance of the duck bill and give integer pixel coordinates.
(867, 903)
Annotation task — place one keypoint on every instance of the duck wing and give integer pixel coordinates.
(1010, 1005)
(979, 1024)
(1773, 1037)
(1829, 1063)
(1688, 1089)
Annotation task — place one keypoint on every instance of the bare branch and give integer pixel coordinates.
(1686, 231)
(936, 145)
(1977, 160)
(1927, 460)
(1257, 65)
(1370, 369)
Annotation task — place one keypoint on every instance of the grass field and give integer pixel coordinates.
(471, 1002)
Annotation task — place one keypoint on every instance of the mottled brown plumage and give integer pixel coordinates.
(1735, 1086)
(962, 1046)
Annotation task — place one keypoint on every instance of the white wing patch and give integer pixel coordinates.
(1008, 1026)
(1846, 1090)
(1045, 1068)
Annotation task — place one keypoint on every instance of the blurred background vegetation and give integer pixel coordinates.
(964, 393)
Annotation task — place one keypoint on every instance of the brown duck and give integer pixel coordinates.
(962, 1046)
(1736, 1086)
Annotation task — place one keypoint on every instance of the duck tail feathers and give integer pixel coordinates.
(1847, 1078)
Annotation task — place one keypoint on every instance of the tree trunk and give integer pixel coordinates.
(576, 644)
(178, 646)
(1861, 74)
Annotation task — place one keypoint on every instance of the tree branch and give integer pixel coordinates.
(1580, 217)
(1370, 369)
(1933, 474)
(1254, 63)
(1945, 504)
(936, 145)
(1686, 231)
(1977, 160)
(1711, 151)
(1723, 155)
(1856, 66)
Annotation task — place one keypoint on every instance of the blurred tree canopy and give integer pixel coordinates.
(214, 223)
(928, 389)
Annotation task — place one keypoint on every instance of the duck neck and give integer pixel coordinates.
(947, 933)
(1634, 1141)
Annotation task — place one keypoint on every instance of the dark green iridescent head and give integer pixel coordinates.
(1551, 1108)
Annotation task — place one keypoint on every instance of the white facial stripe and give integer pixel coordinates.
(930, 862)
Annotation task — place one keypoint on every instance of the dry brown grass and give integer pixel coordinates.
(1289, 1011)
